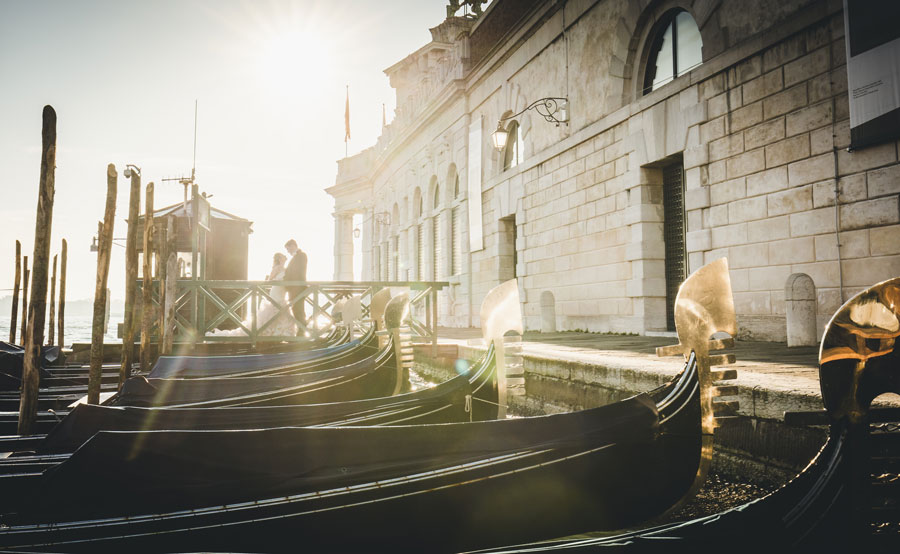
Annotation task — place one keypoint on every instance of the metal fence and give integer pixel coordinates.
(202, 307)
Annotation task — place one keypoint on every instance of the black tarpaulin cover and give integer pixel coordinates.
(374, 375)
(12, 357)
(87, 419)
(117, 473)
(211, 366)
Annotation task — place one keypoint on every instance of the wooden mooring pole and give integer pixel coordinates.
(105, 238)
(161, 257)
(51, 321)
(62, 292)
(170, 282)
(34, 336)
(147, 281)
(26, 275)
(14, 316)
(131, 271)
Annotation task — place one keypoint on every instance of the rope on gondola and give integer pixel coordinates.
(489, 402)
(469, 406)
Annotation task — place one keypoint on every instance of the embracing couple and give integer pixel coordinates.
(282, 270)
(295, 270)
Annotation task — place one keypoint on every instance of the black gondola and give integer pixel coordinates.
(378, 373)
(427, 488)
(846, 500)
(62, 387)
(469, 396)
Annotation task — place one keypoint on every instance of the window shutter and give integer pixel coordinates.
(456, 247)
(420, 252)
(436, 250)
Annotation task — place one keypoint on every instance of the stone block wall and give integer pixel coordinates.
(763, 144)
(764, 193)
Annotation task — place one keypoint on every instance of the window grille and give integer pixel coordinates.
(673, 230)
(456, 246)
(436, 268)
(420, 252)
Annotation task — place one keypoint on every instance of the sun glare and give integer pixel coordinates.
(292, 59)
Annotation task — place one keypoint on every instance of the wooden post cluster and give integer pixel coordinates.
(26, 276)
(62, 292)
(105, 239)
(34, 336)
(131, 271)
(147, 282)
(13, 317)
(51, 323)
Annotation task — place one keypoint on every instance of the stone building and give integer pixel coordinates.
(695, 130)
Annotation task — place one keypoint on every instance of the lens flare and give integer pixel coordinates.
(461, 366)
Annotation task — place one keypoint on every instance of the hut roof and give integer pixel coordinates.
(182, 210)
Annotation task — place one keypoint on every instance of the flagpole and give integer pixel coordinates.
(347, 121)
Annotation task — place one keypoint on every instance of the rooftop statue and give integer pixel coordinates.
(475, 5)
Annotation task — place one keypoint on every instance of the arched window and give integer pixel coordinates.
(437, 196)
(452, 263)
(675, 50)
(513, 152)
(417, 204)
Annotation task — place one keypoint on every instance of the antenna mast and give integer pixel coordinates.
(188, 181)
(194, 161)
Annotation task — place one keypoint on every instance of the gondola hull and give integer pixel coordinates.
(487, 482)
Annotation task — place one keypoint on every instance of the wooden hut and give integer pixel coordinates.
(211, 240)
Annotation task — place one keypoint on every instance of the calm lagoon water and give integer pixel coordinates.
(78, 329)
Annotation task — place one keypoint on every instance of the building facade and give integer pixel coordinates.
(693, 130)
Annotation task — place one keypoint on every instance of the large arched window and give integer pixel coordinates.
(675, 50)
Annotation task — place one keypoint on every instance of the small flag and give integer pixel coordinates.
(347, 116)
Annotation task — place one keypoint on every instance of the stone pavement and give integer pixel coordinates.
(772, 378)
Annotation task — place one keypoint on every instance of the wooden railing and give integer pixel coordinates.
(201, 307)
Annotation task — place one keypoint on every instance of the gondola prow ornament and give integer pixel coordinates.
(704, 307)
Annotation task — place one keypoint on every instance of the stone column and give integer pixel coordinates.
(343, 252)
(337, 246)
(368, 244)
(402, 254)
(412, 237)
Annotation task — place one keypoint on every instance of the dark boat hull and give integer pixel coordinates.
(601, 467)
(493, 482)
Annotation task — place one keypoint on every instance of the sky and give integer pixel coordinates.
(269, 78)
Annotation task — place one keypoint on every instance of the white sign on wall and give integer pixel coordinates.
(873, 70)
(476, 240)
